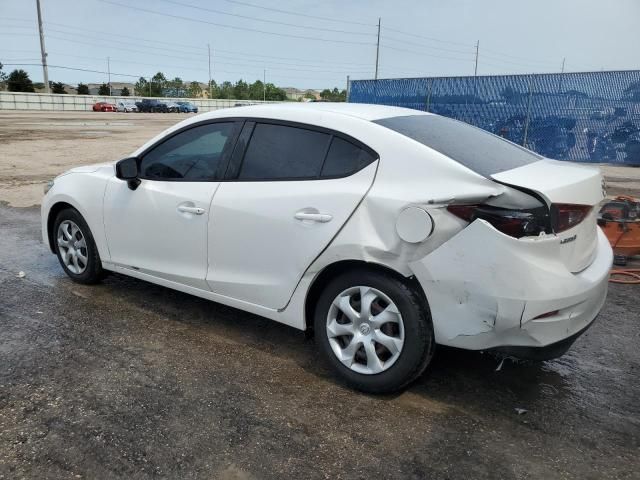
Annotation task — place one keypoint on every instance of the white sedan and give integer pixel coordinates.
(126, 106)
(385, 230)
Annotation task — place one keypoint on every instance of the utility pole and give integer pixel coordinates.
(378, 49)
(348, 87)
(561, 76)
(45, 71)
(210, 86)
(475, 71)
(109, 74)
(264, 85)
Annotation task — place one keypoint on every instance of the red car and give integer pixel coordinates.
(104, 107)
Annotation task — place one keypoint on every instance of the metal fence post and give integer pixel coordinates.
(430, 84)
(528, 116)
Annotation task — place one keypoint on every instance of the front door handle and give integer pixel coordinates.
(313, 217)
(194, 210)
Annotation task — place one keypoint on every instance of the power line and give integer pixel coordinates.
(198, 47)
(317, 17)
(233, 27)
(465, 52)
(433, 39)
(201, 48)
(205, 9)
(426, 54)
(311, 69)
(70, 68)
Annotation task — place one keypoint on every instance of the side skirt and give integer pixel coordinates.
(207, 295)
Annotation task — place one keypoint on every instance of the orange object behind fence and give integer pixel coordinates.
(620, 222)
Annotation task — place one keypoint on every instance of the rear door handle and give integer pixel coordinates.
(313, 217)
(194, 210)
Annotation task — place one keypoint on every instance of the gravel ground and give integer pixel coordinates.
(131, 380)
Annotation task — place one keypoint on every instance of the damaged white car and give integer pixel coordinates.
(385, 230)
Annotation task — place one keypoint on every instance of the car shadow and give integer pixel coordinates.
(455, 376)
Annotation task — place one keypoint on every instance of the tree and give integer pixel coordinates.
(194, 90)
(214, 90)
(125, 92)
(241, 90)
(256, 90)
(334, 95)
(104, 89)
(3, 78)
(174, 88)
(274, 93)
(310, 95)
(226, 90)
(158, 85)
(141, 88)
(57, 87)
(82, 89)
(19, 81)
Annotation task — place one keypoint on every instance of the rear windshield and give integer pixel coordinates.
(474, 148)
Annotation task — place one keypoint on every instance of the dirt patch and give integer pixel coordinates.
(37, 146)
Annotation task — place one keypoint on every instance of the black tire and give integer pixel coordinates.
(93, 272)
(419, 342)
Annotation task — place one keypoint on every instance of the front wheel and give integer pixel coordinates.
(374, 330)
(76, 249)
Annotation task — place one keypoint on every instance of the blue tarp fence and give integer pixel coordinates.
(583, 117)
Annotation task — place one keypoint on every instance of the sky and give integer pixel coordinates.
(316, 44)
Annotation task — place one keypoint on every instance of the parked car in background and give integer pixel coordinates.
(385, 230)
(173, 107)
(187, 107)
(126, 106)
(104, 107)
(152, 105)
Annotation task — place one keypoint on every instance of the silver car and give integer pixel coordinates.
(126, 106)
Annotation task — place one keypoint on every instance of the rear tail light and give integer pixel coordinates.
(523, 223)
(567, 215)
(515, 223)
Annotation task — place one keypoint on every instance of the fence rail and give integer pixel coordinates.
(584, 117)
(64, 102)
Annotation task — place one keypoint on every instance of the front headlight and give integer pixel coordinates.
(48, 186)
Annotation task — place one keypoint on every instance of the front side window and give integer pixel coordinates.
(282, 152)
(192, 155)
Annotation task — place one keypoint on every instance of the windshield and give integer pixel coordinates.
(480, 151)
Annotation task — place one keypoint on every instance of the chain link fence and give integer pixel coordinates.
(583, 117)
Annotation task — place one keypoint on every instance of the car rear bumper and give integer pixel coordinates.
(488, 291)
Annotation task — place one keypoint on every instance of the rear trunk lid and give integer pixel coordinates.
(563, 183)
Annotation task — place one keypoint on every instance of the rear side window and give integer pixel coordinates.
(470, 146)
(283, 152)
(344, 158)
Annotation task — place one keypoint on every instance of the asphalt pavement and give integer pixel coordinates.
(131, 380)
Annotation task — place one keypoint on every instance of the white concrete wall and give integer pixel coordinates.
(63, 102)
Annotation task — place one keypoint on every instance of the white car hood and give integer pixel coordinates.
(88, 168)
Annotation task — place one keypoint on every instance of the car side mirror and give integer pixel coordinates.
(127, 169)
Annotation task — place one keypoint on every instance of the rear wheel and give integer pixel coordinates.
(374, 330)
(76, 249)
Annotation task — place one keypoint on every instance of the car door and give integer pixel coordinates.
(160, 228)
(289, 190)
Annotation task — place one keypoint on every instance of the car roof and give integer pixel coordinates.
(362, 111)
